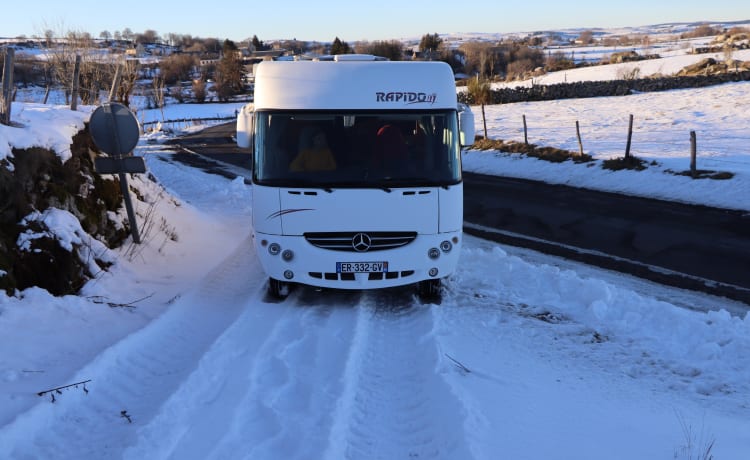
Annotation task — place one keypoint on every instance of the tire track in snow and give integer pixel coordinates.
(266, 389)
(136, 374)
(395, 403)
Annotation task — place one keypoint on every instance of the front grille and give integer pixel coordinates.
(332, 276)
(343, 241)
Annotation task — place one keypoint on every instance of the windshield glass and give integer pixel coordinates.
(356, 149)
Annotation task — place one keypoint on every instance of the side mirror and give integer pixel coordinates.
(466, 127)
(245, 127)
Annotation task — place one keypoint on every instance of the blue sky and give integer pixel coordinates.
(323, 20)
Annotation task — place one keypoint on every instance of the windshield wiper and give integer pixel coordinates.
(304, 183)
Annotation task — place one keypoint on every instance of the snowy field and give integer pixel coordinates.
(661, 137)
(527, 356)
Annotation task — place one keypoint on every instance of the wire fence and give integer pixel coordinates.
(181, 124)
(649, 139)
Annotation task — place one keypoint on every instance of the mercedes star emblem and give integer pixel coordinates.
(361, 242)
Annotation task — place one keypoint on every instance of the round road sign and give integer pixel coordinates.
(114, 129)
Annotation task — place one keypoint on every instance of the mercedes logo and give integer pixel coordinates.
(361, 242)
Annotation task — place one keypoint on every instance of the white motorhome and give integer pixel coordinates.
(356, 172)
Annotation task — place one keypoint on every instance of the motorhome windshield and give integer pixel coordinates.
(357, 149)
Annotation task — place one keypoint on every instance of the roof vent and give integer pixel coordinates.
(357, 57)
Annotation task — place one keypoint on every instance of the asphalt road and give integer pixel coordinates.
(687, 246)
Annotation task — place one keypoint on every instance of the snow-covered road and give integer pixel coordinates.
(527, 356)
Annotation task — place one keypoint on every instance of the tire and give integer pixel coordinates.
(278, 289)
(429, 289)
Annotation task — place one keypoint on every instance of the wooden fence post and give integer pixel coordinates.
(580, 143)
(6, 98)
(693, 154)
(74, 89)
(630, 137)
(525, 132)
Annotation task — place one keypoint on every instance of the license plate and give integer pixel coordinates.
(361, 267)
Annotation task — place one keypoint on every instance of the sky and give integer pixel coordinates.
(528, 356)
(353, 21)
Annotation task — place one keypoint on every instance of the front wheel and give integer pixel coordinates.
(278, 289)
(429, 289)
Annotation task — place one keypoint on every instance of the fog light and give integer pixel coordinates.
(446, 246)
(433, 272)
(287, 255)
(288, 274)
(433, 253)
(274, 249)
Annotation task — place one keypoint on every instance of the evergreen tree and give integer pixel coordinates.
(339, 47)
(430, 42)
(257, 44)
(228, 47)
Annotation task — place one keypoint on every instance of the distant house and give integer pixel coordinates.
(138, 51)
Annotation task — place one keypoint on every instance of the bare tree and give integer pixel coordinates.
(95, 73)
(158, 94)
(476, 57)
(177, 68)
(127, 34)
(149, 36)
(586, 37)
(229, 73)
(49, 35)
(392, 50)
(127, 82)
(199, 89)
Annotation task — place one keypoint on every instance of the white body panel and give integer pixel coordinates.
(311, 85)
(344, 210)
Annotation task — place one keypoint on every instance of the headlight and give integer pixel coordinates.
(274, 249)
(446, 246)
(433, 253)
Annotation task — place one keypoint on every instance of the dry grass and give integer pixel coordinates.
(618, 164)
(704, 174)
(556, 155)
(552, 154)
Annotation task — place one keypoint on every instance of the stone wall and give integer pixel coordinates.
(605, 88)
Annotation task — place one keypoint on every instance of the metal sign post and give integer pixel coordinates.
(115, 131)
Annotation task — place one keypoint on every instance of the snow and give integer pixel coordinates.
(670, 64)
(527, 355)
(45, 126)
(66, 229)
(661, 137)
